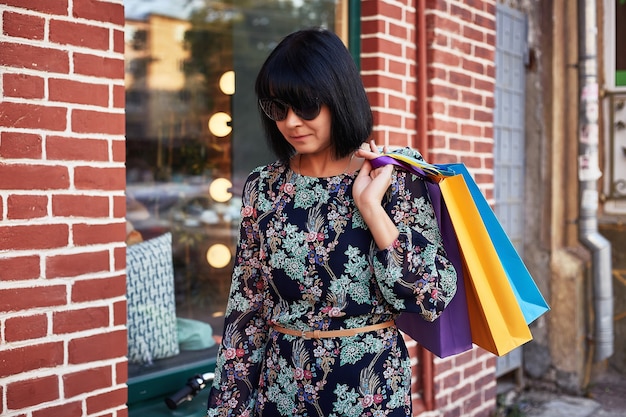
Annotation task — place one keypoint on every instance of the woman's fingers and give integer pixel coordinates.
(375, 148)
(368, 155)
(372, 153)
(384, 171)
(366, 168)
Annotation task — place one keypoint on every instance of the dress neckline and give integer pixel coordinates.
(345, 171)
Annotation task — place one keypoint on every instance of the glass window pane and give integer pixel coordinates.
(620, 42)
(193, 130)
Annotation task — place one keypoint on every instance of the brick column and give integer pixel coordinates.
(388, 53)
(460, 101)
(62, 208)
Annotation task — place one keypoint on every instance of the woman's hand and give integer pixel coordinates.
(371, 184)
(368, 191)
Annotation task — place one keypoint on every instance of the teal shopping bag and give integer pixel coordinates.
(528, 296)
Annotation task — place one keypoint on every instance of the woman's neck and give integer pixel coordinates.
(320, 166)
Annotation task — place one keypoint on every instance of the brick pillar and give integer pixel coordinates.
(388, 54)
(62, 208)
(460, 102)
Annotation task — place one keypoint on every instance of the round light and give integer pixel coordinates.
(227, 83)
(218, 124)
(219, 190)
(218, 255)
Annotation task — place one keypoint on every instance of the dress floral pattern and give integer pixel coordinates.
(307, 261)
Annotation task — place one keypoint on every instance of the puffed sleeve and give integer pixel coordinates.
(245, 330)
(414, 273)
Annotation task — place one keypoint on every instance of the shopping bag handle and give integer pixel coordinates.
(421, 168)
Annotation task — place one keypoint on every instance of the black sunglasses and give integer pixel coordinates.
(277, 109)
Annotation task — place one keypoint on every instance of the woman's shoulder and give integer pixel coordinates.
(267, 173)
(261, 178)
(269, 169)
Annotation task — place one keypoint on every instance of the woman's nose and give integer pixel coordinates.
(292, 118)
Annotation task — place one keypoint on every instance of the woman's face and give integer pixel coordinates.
(307, 136)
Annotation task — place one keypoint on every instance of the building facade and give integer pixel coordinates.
(99, 130)
(574, 173)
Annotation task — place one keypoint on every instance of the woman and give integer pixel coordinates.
(327, 258)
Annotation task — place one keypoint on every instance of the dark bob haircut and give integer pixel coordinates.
(314, 63)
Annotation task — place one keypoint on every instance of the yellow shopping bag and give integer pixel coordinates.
(496, 319)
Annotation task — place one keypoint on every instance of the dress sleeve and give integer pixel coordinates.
(245, 329)
(414, 273)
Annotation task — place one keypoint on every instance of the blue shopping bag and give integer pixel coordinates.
(528, 296)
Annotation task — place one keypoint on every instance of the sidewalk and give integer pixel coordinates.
(565, 406)
(606, 398)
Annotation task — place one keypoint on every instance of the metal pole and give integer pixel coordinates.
(588, 175)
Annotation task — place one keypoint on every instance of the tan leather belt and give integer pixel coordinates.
(318, 334)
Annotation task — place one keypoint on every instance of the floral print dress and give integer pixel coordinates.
(307, 261)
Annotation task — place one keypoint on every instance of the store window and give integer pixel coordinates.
(620, 42)
(614, 100)
(192, 136)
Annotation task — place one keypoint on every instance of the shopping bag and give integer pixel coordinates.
(496, 320)
(450, 334)
(527, 294)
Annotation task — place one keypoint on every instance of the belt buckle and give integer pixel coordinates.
(304, 335)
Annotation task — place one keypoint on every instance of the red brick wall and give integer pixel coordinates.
(461, 38)
(460, 50)
(62, 207)
(388, 68)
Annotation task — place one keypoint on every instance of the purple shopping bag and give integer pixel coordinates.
(450, 334)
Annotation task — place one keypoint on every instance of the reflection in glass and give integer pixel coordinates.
(193, 129)
(227, 83)
(219, 190)
(219, 124)
(218, 256)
